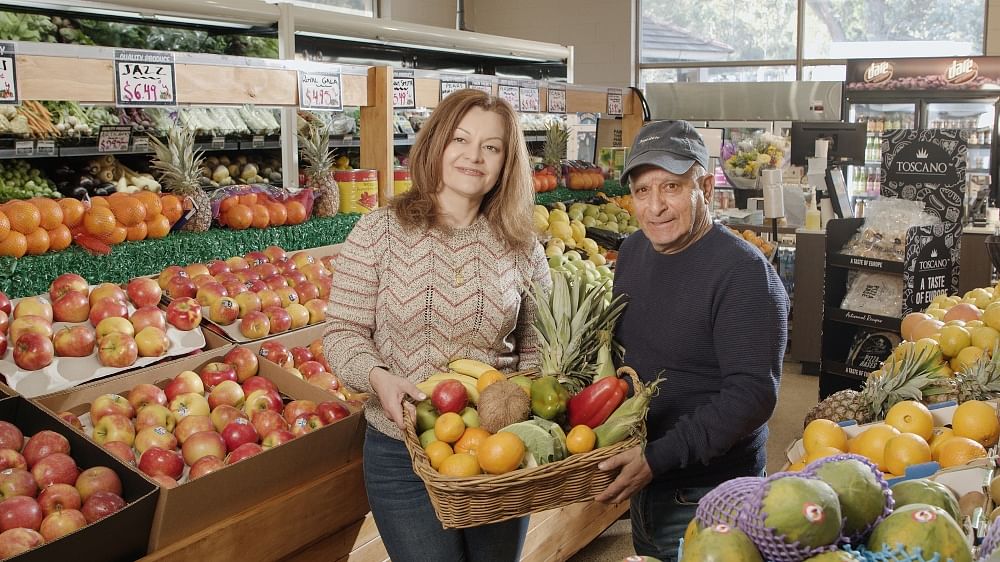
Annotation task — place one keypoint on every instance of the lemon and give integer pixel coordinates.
(985, 338)
(953, 340)
(560, 229)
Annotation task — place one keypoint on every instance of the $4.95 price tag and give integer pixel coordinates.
(322, 91)
(144, 78)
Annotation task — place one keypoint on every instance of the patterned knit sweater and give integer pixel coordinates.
(410, 301)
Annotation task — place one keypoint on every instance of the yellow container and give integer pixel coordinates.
(358, 190)
(401, 182)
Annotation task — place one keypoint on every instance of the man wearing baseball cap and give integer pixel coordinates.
(708, 313)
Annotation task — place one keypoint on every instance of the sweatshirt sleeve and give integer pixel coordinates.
(524, 332)
(348, 341)
(750, 331)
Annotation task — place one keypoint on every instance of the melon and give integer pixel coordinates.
(721, 543)
(859, 489)
(924, 491)
(923, 526)
(802, 510)
(835, 556)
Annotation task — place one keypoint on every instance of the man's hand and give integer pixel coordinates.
(635, 474)
(392, 392)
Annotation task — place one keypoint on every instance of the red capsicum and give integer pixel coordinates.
(593, 405)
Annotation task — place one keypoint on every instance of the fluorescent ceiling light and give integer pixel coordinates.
(390, 43)
(70, 8)
(200, 22)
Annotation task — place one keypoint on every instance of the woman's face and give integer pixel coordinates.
(474, 156)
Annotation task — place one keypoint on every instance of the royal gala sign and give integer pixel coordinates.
(945, 73)
(927, 166)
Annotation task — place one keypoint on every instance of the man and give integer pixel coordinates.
(708, 313)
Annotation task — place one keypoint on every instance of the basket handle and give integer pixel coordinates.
(625, 369)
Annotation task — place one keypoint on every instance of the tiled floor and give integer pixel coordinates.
(797, 394)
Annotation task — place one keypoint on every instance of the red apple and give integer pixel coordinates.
(299, 315)
(20, 512)
(17, 541)
(275, 282)
(159, 461)
(98, 479)
(114, 427)
(325, 286)
(185, 382)
(258, 383)
(449, 396)
(107, 291)
(144, 394)
(4, 303)
(266, 270)
(302, 259)
(224, 311)
(266, 421)
(238, 432)
(223, 414)
(58, 497)
(164, 481)
(236, 263)
(276, 352)
(331, 411)
(306, 423)
(71, 419)
(275, 253)
(180, 287)
(73, 306)
(307, 291)
(300, 355)
(152, 342)
(148, 316)
(117, 350)
(315, 272)
(203, 444)
(57, 468)
(202, 280)
(205, 465)
(61, 523)
(329, 262)
(215, 372)
(65, 283)
(255, 325)
(29, 325)
(152, 415)
(184, 314)
(211, 292)
(286, 266)
(167, 274)
(276, 437)
(262, 400)
(243, 361)
(114, 324)
(256, 258)
(9, 458)
(268, 299)
(17, 482)
(102, 504)
(33, 352)
(226, 393)
(74, 341)
(33, 306)
(288, 296)
(43, 444)
(3, 343)
(216, 267)
(154, 436)
(191, 425)
(235, 287)
(326, 381)
(243, 452)
(121, 450)
(310, 368)
(143, 292)
(190, 404)
(107, 404)
(10, 436)
(296, 278)
(255, 286)
(195, 269)
(296, 408)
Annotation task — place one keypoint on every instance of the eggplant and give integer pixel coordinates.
(79, 192)
(105, 189)
(87, 181)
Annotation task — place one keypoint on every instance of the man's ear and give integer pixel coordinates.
(708, 187)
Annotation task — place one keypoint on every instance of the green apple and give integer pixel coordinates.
(572, 256)
(557, 262)
(426, 416)
(470, 416)
(427, 437)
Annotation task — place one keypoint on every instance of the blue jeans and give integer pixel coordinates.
(660, 515)
(406, 521)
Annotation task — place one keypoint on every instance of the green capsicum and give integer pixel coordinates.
(548, 397)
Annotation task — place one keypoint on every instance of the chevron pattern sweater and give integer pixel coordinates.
(410, 301)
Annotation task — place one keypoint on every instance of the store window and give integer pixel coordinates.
(359, 7)
(825, 73)
(719, 74)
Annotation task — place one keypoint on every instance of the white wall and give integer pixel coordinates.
(439, 13)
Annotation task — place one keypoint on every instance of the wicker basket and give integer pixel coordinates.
(483, 499)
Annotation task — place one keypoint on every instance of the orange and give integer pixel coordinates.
(958, 451)
(471, 439)
(976, 420)
(99, 222)
(821, 453)
(460, 465)
(157, 227)
(261, 218)
(240, 217)
(24, 217)
(150, 201)
(4, 226)
(248, 199)
(488, 378)
(14, 245)
(137, 232)
(910, 416)
(38, 242)
(60, 238)
(278, 214)
(581, 439)
(436, 452)
(871, 443)
(823, 433)
(228, 203)
(906, 449)
(117, 236)
(128, 210)
(941, 434)
(171, 208)
(449, 427)
(296, 212)
(73, 210)
(99, 201)
(50, 210)
(501, 453)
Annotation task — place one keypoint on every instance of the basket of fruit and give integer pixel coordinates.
(507, 457)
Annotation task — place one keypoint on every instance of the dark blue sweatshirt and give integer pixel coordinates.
(712, 320)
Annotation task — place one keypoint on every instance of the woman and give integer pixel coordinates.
(443, 273)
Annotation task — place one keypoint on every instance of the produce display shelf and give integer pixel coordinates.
(534, 137)
(226, 145)
(865, 264)
(611, 189)
(346, 142)
(863, 319)
(31, 275)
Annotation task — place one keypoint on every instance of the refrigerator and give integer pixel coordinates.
(928, 93)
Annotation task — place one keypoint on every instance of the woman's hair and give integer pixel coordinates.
(507, 206)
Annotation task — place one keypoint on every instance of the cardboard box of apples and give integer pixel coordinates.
(219, 431)
(63, 497)
(255, 296)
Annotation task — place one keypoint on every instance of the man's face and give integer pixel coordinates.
(668, 206)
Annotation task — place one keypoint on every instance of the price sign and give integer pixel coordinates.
(321, 91)
(144, 78)
(257, 142)
(45, 148)
(482, 85)
(528, 101)
(218, 142)
(404, 90)
(140, 143)
(8, 75)
(24, 148)
(615, 106)
(114, 138)
(450, 85)
(556, 102)
(510, 94)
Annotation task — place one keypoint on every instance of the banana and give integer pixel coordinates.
(470, 367)
(427, 386)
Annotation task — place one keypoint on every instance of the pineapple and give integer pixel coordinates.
(554, 149)
(315, 147)
(180, 165)
(979, 381)
(909, 377)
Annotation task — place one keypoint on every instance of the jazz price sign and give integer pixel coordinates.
(321, 91)
(404, 91)
(8, 75)
(144, 78)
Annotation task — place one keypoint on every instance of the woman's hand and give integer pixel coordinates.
(392, 392)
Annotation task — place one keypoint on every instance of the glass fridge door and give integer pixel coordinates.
(976, 118)
(864, 181)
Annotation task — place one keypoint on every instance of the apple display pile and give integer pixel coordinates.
(44, 494)
(202, 421)
(308, 363)
(267, 292)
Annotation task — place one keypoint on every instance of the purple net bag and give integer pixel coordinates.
(722, 505)
(898, 554)
(856, 536)
(991, 541)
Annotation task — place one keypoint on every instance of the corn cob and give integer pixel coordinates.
(625, 420)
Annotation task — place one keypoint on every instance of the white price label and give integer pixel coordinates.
(8, 75)
(140, 143)
(484, 86)
(24, 148)
(114, 138)
(556, 101)
(615, 106)
(219, 142)
(144, 78)
(450, 87)
(258, 141)
(321, 91)
(45, 148)
(510, 94)
(529, 100)
(404, 93)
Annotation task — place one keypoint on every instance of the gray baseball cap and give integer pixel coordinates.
(671, 145)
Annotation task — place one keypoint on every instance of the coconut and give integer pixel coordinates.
(501, 404)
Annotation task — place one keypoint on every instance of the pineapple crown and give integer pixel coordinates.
(902, 379)
(177, 161)
(314, 144)
(554, 149)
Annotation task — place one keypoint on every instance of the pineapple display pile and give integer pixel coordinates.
(179, 165)
(315, 146)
